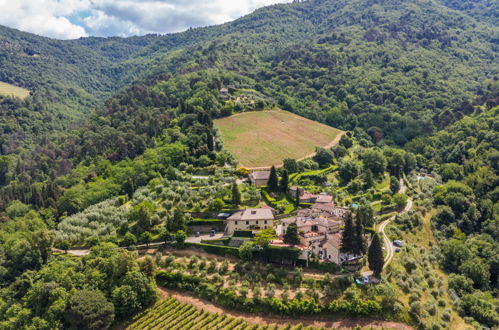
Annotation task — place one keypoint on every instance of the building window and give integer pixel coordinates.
(257, 222)
(235, 222)
(247, 222)
(265, 221)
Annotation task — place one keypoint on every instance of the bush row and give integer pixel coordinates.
(292, 307)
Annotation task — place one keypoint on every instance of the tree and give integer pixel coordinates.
(129, 188)
(323, 157)
(148, 266)
(400, 200)
(375, 256)
(478, 270)
(461, 284)
(346, 141)
(17, 209)
(165, 236)
(42, 241)
(348, 244)
(348, 171)
(394, 185)
(369, 179)
(264, 237)
(176, 222)
(126, 301)
(217, 204)
(291, 235)
(375, 161)
(365, 214)
(129, 239)
(236, 194)
(142, 214)
(273, 180)
(65, 245)
(246, 250)
(284, 181)
(180, 237)
(360, 240)
(290, 165)
(89, 309)
(396, 162)
(146, 238)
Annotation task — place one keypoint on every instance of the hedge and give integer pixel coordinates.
(225, 241)
(323, 266)
(205, 222)
(244, 233)
(215, 249)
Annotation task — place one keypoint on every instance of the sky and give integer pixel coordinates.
(72, 19)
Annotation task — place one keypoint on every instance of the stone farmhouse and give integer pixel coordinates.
(250, 219)
(319, 231)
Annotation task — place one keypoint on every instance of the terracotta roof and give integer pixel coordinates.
(323, 198)
(334, 240)
(260, 175)
(253, 214)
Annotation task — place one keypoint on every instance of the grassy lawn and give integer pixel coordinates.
(11, 90)
(265, 138)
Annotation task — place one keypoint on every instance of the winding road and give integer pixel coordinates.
(389, 248)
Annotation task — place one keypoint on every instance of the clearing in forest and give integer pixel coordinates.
(265, 138)
(11, 90)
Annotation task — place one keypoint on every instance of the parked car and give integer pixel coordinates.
(212, 233)
(397, 249)
(365, 279)
(398, 243)
(198, 234)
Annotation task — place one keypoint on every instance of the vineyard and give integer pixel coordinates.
(171, 314)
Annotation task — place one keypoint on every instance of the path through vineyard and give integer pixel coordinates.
(315, 321)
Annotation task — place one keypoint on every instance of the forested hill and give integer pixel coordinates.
(395, 69)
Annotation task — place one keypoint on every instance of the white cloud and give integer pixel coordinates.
(67, 19)
(43, 17)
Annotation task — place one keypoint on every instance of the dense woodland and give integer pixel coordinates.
(108, 118)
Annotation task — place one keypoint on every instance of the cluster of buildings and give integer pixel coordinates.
(319, 226)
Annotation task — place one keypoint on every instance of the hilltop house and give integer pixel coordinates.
(224, 92)
(259, 178)
(250, 219)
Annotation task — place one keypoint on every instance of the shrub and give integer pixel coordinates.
(415, 307)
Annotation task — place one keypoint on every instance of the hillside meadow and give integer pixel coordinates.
(265, 138)
(11, 90)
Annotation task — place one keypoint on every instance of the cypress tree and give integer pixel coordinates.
(236, 194)
(284, 181)
(291, 235)
(129, 188)
(360, 241)
(297, 197)
(375, 256)
(273, 180)
(369, 179)
(209, 141)
(177, 222)
(348, 240)
(394, 185)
